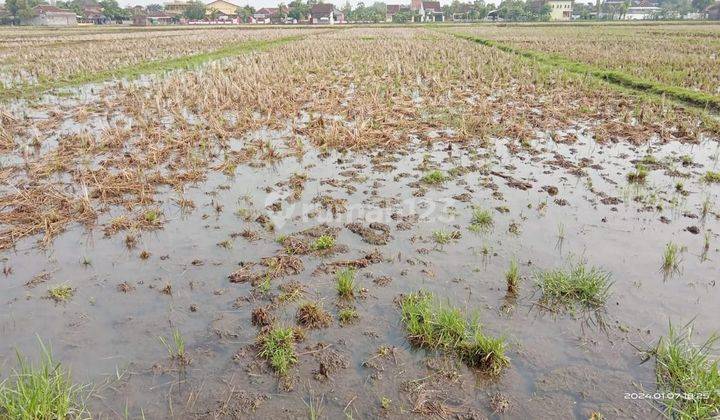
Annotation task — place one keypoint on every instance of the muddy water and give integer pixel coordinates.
(563, 365)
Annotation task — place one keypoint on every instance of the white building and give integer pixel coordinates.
(45, 15)
(560, 9)
(641, 12)
(325, 14)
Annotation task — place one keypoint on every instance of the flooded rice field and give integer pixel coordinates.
(272, 272)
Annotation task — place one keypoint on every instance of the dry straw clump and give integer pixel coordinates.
(350, 89)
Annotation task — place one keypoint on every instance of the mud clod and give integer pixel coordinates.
(374, 234)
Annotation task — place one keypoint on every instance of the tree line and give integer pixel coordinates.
(510, 10)
(22, 9)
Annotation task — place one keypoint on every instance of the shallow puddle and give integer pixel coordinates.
(551, 204)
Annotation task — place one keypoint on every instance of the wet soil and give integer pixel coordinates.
(202, 271)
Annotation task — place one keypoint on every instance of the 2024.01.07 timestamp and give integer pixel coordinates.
(666, 396)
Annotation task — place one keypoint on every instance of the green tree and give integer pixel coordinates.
(76, 5)
(298, 10)
(480, 10)
(584, 10)
(12, 7)
(543, 14)
(347, 9)
(518, 10)
(680, 8)
(282, 12)
(245, 13)
(513, 10)
(624, 9)
(113, 11)
(701, 5)
(21, 9)
(361, 13)
(405, 16)
(196, 11)
(25, 11)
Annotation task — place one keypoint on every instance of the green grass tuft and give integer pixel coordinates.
(639, 176)
(434, 177)
(650, 160)
(441, 237)
(151, 216)
(483, 352)
(512, 277)
(346, 283)
(433, 325)
(277, 346)
(347, 316)
(417, 315)
(684, 368)
(43, 391)
(671, 258)
(590, 287)
(176, 349)
(323, 242)
(481, 220)
(712, 177)
(61, 293)
(450, 326)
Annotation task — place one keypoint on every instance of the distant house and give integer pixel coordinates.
(428, 11)
(641, 12)
(395, 9)
(392, 10)
(272, 15)
(263, 15)
(325, 14)
(223, 7)
(94, 15)
(432, 11)
(45, 15)
(152, 18)
(713, 11)
(560, 10)
(462, 13)
(281, 16)
(176, 8)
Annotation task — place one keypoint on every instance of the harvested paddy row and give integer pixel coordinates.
(676, 55)
(707, 105)
(354, 98)
(368, 222)
(49, 60)
(20, 35)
